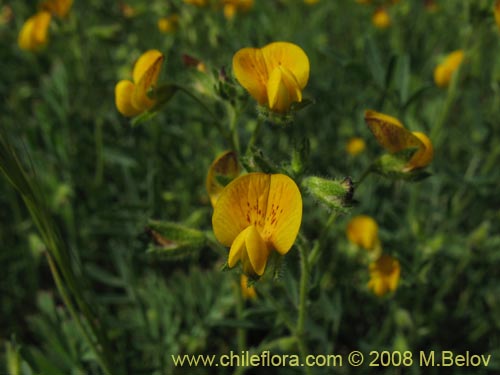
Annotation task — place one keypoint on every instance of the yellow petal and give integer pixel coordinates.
(424, 155)
(442, 76)
(384, 275)
(225, 166)
(362, 230)
(41, 28)
(147, 80)
(454, 59)
(123, 98)
(24, 39)
(284, 213)
(242, 203)
(237, 248)
(355, 146)
(248, 292)
(250, 70)
(444, 71)
(390, 133)
(229, 11)
(263, 210)
(168, 24)
(34, 33)
(377, 285)
(282, 90)
(145, 62)
(257, 250)
(289, 56)
(381, 19)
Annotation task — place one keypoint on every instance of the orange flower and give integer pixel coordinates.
(392, 135)
(362, 230)
(255, 214)
(131, 98)
(384, 275)
(34, 33)
(168, 24)
(355, 146)
(381, 19)
(274, 75)
(444, 71)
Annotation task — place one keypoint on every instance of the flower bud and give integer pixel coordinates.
(172, 240)
(334, 194)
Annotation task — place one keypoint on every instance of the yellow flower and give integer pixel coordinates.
(384, 275)
(224, 167)
(381, 19)
(59, 8)
(496, 11)
(444, 71)
(355, 146)
(248, 292)
(311, 2)
(168, 24)
(274, 75)
(198, 3)
(362, 230)
(131, 98)
(34, 33)
(392, 135)
(424, 155)
(231, 7)
(255, 214)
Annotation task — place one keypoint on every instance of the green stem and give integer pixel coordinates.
(235, 141)
(301, 320)
(240, 307)
(363, 176)
(255, 134)
(99, 153)
(445, 112)
(318, 245)
(71, 308)
(216, 120)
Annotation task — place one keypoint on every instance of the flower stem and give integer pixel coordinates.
(363, 176)
(318, 245)
(216, 120)
(99, 153)
(301, 320)
(235, 141)
(240, 307)
(253, 138)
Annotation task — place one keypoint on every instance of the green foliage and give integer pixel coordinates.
(83, 284)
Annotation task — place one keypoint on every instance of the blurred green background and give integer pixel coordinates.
(102, 180)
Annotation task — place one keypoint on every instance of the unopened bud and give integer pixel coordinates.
(334, 194)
